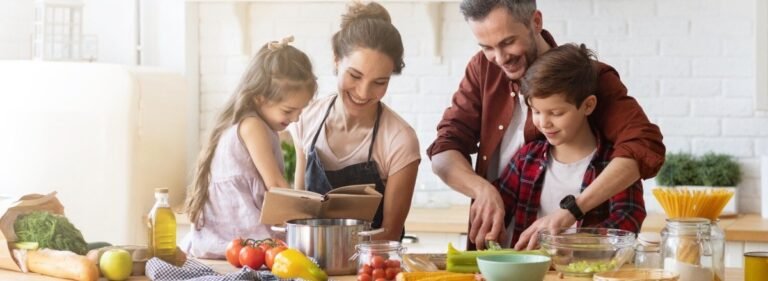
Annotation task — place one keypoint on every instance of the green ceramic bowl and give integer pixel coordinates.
(518, 267)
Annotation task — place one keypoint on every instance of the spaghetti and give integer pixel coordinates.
(682, 202)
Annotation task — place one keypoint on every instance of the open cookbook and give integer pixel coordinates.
(347, 202)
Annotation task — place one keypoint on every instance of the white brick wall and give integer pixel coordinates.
(690, 63)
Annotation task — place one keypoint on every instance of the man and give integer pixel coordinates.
(489, 117)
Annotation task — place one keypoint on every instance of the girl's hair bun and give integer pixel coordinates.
(359, 11)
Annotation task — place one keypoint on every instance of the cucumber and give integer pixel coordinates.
(96, 245)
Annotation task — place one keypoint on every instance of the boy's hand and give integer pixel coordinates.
(486, 216)
(529, 239)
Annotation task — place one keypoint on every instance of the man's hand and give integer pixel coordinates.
(529, 239)
(486, 216)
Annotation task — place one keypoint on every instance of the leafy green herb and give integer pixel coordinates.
(711, 169)
(719, 170)
(49, 231)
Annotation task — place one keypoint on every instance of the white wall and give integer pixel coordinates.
(16, 18)
(690, 64)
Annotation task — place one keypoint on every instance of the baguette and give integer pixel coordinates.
(62, 264)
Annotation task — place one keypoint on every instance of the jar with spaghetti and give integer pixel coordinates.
(694, 248)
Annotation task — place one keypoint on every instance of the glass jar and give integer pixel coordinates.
(647, 250)
(379, 259)
(694, 248)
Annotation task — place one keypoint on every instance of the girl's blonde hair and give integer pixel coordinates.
(276, 70)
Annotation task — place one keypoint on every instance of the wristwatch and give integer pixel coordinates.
(569, 203)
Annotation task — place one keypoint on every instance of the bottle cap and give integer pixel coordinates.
(161, 190)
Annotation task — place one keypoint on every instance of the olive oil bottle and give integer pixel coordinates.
(162, 228)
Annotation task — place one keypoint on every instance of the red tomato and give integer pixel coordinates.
(269, 256)
(378, 262)
(265, 245)
(233, 252)
(391, 272)
(279, 242)
(378, 273)
(393, 263)
(363, 277)
(380, 279)
(252, 257)
(366, 269)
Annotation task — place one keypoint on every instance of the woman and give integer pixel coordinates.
(352, 137)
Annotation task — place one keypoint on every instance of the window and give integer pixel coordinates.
(761, 77)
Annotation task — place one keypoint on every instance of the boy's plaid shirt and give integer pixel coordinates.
(521, 183)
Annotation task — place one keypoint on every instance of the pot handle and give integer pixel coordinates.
(371, 232)
(278, 228)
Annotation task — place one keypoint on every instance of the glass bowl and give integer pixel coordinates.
(585, 251)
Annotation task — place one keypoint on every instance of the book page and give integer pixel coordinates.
(297, 193)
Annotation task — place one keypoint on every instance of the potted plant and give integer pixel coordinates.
(289, 158)
(711, 170)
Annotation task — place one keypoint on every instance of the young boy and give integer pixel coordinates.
(544, 176)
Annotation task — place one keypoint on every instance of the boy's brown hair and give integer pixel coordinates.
(567, 69)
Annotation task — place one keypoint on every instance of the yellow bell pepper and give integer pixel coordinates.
(293, 264)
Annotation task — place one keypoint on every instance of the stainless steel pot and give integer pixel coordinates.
(331, 242)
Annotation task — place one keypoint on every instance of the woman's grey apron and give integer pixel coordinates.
(317, 179)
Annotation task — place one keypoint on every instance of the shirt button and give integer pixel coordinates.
(501, 127)
(484, 158)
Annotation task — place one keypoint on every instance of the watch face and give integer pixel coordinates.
(566, 202)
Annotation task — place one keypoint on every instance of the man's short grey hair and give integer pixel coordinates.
(521, 10)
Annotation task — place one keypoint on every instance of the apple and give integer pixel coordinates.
(116, 264)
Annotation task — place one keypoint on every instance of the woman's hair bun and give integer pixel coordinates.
(359, 11)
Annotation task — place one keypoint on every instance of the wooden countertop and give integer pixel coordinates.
(731, 274)
(742, 227)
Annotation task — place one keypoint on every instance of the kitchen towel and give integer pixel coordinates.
(159, 270)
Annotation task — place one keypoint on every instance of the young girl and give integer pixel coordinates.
(243, 157)
(352, 137)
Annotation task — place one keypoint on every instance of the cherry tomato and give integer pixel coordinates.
(252, 256)
(364, 277)
(378, 262)
(269, 256)
(265, 245)
(378, 273)
(393, 263)
(391, 272)
(279, 242)
(233, 252)
(366, 269)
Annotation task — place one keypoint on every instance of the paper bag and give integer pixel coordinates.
(347, 202)
(11, 210)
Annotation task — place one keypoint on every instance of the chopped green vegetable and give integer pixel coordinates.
(466, 261)
(49, 231)
(584, 266)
